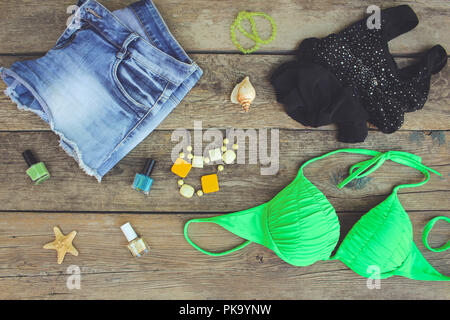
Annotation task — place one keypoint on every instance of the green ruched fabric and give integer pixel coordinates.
(301, 226)
(298, 224)
(381, 238)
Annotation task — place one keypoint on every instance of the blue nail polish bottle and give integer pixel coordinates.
(142, 181)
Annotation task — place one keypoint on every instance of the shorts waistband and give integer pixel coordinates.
(161, 53)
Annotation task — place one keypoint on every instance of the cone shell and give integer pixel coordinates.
(244, 94)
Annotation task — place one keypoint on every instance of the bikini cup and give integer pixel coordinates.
(301, 226)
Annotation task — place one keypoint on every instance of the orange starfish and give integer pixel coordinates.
(62, 244)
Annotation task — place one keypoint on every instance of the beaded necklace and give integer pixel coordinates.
(210, 183)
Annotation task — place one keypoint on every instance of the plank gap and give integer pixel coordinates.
(222, 52)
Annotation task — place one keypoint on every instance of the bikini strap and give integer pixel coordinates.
(186, 235)
(366, 152)
(364, 168)
(427, 230)
(248, 224)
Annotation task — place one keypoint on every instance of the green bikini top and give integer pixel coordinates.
(301, 226)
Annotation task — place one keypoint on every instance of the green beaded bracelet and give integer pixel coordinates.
(254, 35)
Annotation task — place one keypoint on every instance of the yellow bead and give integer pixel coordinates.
(181, 155)
(181, 168)
(235, 146)
(220, 168)
(210, 183)
(224, 148)
(189, 148)
(200, 193)
(226, 141)
(180, 182)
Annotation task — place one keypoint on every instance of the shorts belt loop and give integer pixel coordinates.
(123, 52)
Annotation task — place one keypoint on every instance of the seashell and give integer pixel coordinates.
(244, 94)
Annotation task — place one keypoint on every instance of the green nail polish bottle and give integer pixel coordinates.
(37, 170)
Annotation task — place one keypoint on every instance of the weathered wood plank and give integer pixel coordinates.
(174, 270)
(31, 26)
(210, 102)
(242, 185)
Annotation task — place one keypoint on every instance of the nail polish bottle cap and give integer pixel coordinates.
(149, 167)
(29, 157)
(128, 231)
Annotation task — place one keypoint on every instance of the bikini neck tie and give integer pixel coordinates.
(365, 168)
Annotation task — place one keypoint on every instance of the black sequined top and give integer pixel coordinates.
(350, 78)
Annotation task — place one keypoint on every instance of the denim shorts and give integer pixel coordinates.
(107, 84)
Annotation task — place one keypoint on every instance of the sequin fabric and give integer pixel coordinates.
(359, 57)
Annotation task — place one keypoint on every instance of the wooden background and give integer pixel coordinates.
(174, 270)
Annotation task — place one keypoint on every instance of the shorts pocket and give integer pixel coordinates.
(141, 88)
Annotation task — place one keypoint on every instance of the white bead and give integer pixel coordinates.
(180, 182)
(229, 156)
(189, 148)
(200, 193)
(181, 155)
(190, 156)
(197, 162)
(187, 191)
(206, 160)
(215, 154)
(224, 148)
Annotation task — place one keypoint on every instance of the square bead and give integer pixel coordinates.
(210, 183)
(215, 154)
(197, 162)
(181, 168)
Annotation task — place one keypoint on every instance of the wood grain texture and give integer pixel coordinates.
(175, 270)
(209, 101)
(242, 186)
(204, 24)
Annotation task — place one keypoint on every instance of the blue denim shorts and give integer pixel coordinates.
(107, 84)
